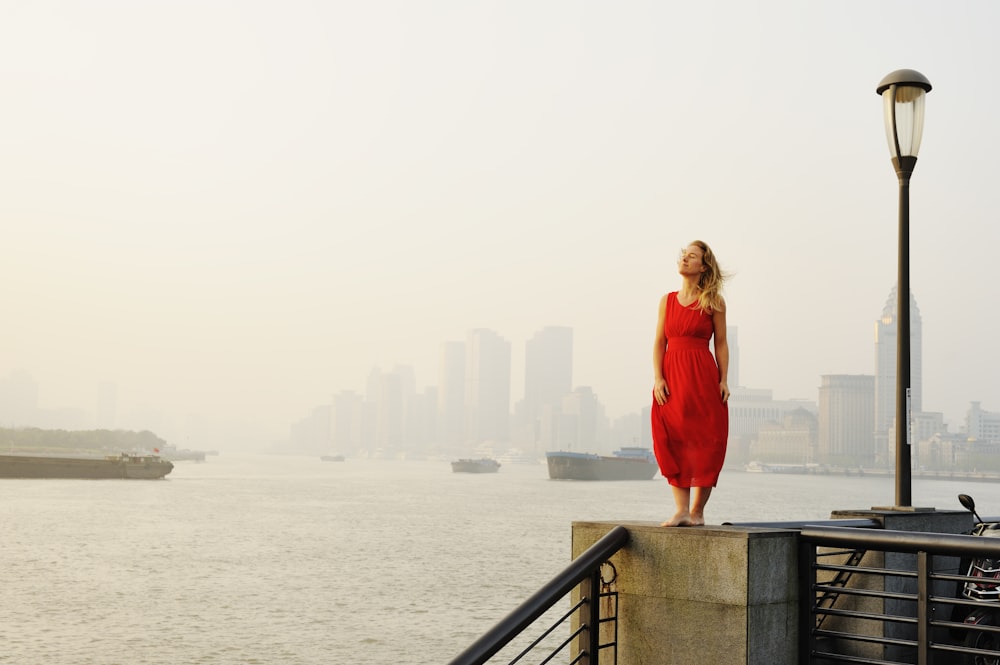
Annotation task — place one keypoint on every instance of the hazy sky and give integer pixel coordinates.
(237, 209)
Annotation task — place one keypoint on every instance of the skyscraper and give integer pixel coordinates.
(487, 387)
(389, 393)
(845, 419)
(548, 378)
(885, 368)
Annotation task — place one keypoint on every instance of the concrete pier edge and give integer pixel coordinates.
(723, 594)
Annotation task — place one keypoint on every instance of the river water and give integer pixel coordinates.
(289, 560)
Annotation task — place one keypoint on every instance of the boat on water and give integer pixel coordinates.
(627, 463)
(332, 458)
(767, 467)
(481, 465)
(135, 467)
(184, 454)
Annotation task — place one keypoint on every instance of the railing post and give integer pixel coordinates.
(594, 622)
(923, 609)
(807, 600)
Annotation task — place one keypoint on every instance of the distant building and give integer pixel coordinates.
(582, 423)
(312, 434)
(982, 425)
(956, 452)
(347, 423)
(632, 429)
(792, 441)
(487, 388)
(420, 423)
(548, 379)
(885, 371)
(389, 395)
(846, 414)
(733, 342)
(751, 410)
(923, 426)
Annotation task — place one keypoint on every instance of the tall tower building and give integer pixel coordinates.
(487, 387)
(385, 394)
(885, 368)
(846, 412)
(548, 378)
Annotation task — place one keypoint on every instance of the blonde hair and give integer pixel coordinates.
(711, 281)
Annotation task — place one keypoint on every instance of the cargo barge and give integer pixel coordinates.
(628, 463)
(135, 467)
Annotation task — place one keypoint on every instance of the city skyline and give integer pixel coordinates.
(308, 190)
(475, 401)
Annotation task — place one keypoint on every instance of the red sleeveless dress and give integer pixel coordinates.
(691, 428)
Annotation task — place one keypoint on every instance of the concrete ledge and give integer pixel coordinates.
(715, 594)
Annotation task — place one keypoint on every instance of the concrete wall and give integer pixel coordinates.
(727, 594)
(701, 595)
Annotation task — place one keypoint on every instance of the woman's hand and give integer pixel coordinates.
(724, 391)
(660, 391)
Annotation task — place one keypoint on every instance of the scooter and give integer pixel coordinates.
(986, 591)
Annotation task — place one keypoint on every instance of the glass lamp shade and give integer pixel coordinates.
(903, 95)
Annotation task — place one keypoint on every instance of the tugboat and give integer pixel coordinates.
(481, 465)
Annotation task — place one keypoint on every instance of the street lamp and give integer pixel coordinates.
(903, 93)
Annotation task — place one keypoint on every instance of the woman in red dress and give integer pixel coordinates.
(690, 415)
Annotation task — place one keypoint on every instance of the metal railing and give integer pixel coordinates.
(899, 605)
(587, 565)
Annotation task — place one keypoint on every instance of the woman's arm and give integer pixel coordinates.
(721, 351)
(660, 390)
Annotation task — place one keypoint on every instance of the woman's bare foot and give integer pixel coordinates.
(696, 520)
(680, 519)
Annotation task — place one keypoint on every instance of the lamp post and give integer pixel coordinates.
(903, 94)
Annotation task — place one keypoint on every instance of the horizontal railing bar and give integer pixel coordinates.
(901, 541)
(954, 577)
(860, 523)
(953, 648)
(542, 600)
(958, 602)
(869, 639)
(864, 615)
(843, 658)
(868, 593)
(982, 627)
(861, 570)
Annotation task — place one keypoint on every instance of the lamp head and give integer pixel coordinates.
(903, 93)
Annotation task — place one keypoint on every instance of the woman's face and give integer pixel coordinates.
(689, 262)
